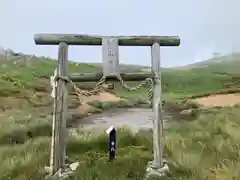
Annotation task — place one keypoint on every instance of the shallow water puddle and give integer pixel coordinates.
(134, 118)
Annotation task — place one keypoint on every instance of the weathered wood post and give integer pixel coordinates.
(57, 159)
(111, 71)
(110, 56)
(157, 108)
(63, 64)
(156, 166)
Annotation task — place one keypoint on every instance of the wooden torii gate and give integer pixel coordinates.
(110, 57)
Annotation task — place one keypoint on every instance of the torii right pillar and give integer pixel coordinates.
(158, 166)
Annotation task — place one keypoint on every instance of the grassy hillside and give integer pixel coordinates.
(127, 67)
(213, 75)
(203, 149)
(229, 59)
(19, 75)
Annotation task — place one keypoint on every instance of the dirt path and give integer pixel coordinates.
(103, 96)
(219, 100)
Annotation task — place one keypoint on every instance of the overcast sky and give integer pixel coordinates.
(204, 26)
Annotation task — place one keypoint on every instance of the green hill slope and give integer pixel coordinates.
(18, 75)
(217, 74)
(207, 148)
(231, 60)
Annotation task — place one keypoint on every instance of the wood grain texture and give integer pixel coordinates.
(94, 77)
(83, 39)
(59, 130)
(157, 107)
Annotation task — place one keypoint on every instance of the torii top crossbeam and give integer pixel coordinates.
(83, 39)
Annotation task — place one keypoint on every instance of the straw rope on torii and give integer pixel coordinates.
(99, 85)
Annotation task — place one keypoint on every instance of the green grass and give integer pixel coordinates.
(206, 148)
(185, 83)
